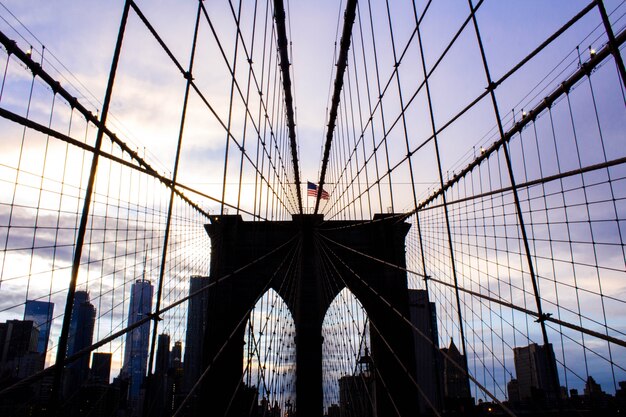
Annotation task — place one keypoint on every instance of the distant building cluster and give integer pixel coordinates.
(87, 388)
(441, 373)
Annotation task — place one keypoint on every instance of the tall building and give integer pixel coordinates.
(333, 411)
(137, 340)
(512, 388)
(424, 317)
(176, 355)
(101, 367)
(162, 354)
(80, 336)
(19, 357)
(356, 396)
(157, 401)
(535, 367)
(40, 313)
(96, 397)
(455, 379)
(196, 322)
(80, 297)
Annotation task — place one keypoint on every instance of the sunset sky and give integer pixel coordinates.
(79, 38)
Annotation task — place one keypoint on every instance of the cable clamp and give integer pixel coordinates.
(543, 317)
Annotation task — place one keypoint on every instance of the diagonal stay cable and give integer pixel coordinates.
(423, 335)
(336, 279)
(324, 249)
(7, 114)
(201, 95)
(548, 318)
(295, 250)
(152, 316)
(262, 103)
(546, 103)
(12, 49)
(587, 68)
(248, 56)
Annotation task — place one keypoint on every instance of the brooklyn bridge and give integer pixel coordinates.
(335, 208)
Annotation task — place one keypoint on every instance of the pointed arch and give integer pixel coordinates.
(269, 351)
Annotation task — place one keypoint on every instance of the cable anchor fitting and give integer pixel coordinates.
(543, 317)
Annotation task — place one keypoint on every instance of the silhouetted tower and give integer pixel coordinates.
(455, 379)
(427, 360)
(101, 367)
(196, 323)
(18, 350)
(80, 336)
(176, 361)
(235, 243)
(357, 392)
(162, 354)
(40, 313)
(533, 366)
(137, 340)
(356, 396)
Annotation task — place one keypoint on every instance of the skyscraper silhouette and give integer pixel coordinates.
(40, 313)
(196, 322)
(101, 367)
(80, 337)
(535, 365)
(176, 355)
(427, 360)
(137, 340)
(162, 354)
(18, 351)
(456, 389)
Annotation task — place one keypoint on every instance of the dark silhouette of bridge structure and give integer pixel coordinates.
(459, 250)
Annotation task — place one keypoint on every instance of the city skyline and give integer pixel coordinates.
(153, 165)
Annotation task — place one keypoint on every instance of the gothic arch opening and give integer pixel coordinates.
(346, 363)
(269, 356)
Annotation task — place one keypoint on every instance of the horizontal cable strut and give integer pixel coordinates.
(148, 317)
(545, 317)
(584, 70)
(342, 63)
(281, 32)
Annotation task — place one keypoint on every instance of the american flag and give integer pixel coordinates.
(311, 191)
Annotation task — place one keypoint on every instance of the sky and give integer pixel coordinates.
(79, 39)
(82, 38)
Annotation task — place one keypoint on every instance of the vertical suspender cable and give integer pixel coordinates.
(189, 78)
(80, 238)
